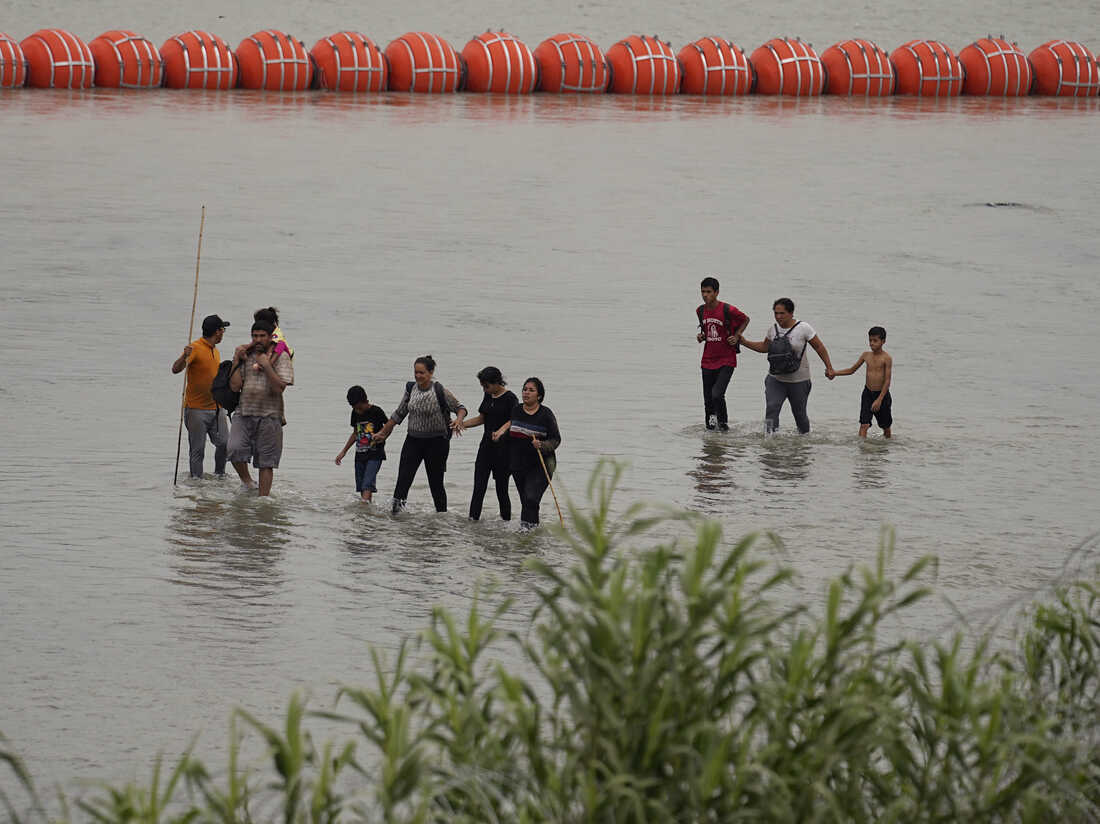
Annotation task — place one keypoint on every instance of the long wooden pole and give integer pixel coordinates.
(190, 333)
(552, 492)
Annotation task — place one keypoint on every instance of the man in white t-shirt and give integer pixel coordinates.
(789, 370)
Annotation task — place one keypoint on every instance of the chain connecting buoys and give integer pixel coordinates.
(643, 65)
(198, 60)
(13, 64)
(714, 65)
(499, 62)
(124, 60)
(993, 66)
(790, 67)
(422, 62)
(57, 59)
(274, 61)
(1064, 68)
(350, 62)
(571, 63)
(927, 68)
(858, 67)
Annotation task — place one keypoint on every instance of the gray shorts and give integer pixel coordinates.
(257, 439)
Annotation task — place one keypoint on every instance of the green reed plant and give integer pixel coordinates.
(676, 682)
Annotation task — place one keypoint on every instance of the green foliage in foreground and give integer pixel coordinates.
(674, 684)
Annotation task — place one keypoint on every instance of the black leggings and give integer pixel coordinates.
(492, 459)
(433, 452)
(531, 483)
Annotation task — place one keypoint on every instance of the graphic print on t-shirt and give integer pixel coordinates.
(527, 430)
(364, 434)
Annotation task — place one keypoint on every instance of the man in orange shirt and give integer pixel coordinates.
(201, 415)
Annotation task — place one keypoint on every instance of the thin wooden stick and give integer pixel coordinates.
(552, 492)
(190, 332)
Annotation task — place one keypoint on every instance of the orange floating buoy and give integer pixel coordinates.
(499, 62)
(927, 68)
(198, 60)
(993, 66)
(13, 64)
(858, 67)
(57, 59)
(350, 62)
(643, 65)
(274, 61)
(571, 63)
(785, 66)
(124, 60)
(1064, 68)
(422, 62)
(713, 65)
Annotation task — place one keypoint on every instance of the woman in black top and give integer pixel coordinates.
(492, 455)
(532, 430)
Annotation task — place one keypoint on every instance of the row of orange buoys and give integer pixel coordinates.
(566, 63)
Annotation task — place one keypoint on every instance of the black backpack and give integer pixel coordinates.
(225, 397)
(781, 357)
(728, 322)
(439, 397)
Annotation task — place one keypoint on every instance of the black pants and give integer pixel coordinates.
(492, 459)
(433, 452)
(715, 382)
(531, 483)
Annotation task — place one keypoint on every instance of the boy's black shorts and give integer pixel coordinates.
(883, 416)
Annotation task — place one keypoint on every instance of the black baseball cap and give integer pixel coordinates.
(211, 324)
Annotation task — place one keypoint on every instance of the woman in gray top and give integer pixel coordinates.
(428, 406)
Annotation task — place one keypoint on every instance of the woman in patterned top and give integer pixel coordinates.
(428, 406)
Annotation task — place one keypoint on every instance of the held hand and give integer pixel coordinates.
(457, 426)
(700, 337)
(830, 373)
(733, 339)
(241, 352)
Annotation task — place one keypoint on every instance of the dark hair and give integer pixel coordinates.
(268, 315)
(263, 326)
(786, 303)
(538, 387)
(876, 332)
(709, 283)
(427, 360)
(357, 394)
(490, 374)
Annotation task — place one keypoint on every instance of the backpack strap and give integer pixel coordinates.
(699, 314)
(442, 398)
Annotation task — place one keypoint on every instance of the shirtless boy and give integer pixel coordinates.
(876, 393)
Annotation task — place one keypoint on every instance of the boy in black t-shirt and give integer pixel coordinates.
(366, 419)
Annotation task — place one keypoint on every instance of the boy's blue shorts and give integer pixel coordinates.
(366, 473)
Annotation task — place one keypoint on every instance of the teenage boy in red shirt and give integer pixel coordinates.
(720, 328)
